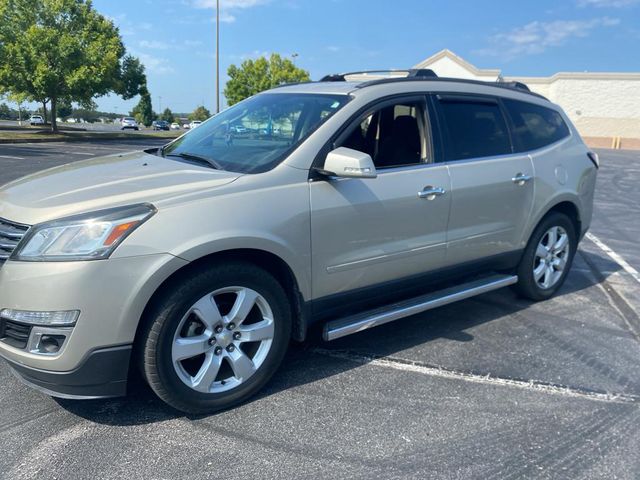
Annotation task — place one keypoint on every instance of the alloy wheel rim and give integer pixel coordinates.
(551, 257)
(223, 339)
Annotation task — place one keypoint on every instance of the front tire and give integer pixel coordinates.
(547, 258)
(216, 337)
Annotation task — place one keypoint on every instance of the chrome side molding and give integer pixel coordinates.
(356, 323)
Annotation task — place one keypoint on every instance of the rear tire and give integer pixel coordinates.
(236, 316)
(547, 258)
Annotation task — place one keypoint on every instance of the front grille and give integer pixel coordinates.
(10, 235)
(14, 334)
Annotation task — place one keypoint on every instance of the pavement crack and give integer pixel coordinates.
(488, 379)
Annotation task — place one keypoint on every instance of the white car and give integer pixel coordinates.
(129, 123)
(175, 126)
(186, 126)
(195, 124)
(36, 120)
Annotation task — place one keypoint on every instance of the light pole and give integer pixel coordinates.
(160, 105)
(217, 56)
(294, 56)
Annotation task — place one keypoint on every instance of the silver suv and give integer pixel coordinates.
(342, 204)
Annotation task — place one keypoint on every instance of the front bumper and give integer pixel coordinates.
(111, 296)
(102, 375)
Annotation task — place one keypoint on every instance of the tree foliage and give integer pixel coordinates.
(143, 111)
(167, 115)
(63, 49)
(255, 76)
(200, 113)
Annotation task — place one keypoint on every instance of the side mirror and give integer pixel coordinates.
(349, 163)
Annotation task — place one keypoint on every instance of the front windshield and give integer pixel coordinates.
(258, 133)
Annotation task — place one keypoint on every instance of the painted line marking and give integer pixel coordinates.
(615, 257)
(10, 157)
(80, 153)
(532, 385)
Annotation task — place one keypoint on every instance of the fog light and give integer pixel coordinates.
(47, 319)
(48, 341)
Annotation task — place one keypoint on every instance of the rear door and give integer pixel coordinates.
(371, 231)
(492, 187)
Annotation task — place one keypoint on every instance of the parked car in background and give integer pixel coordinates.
(197, 263)
(175, 126)
(129, 123)
(239, 129)
(36, 120)
(186, 126)
(160, 125)
(195, 124)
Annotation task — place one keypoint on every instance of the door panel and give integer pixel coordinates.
(370, 231)
(489, 210)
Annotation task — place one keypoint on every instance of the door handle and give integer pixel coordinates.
(521, 179)
(430, 192)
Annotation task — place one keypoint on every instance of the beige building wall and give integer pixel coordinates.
(599, 104)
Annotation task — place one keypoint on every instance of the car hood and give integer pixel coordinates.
(104, 182)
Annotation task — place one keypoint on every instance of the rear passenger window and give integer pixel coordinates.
(473, 129)
(535, 126)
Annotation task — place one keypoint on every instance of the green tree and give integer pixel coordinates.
(64, 109)
(200, 113)
(255, 76)
(5, 112)
(167, 115)
(63, 49)
(143, 112)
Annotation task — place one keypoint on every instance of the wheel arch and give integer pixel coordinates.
(268, 261)
(566, 205)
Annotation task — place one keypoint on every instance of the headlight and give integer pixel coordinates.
(91, 236)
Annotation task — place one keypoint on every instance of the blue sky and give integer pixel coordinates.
(176, 38)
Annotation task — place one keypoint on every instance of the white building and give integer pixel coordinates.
(601, 105)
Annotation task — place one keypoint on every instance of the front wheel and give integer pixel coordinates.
(547, 258)
(216, 338)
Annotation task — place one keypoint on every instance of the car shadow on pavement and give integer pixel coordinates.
(303, 365)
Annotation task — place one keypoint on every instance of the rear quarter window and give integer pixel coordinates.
(535, 126)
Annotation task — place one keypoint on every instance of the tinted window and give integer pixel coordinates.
(258, 133)
(535, 126)
(473, 129)
(391, 135)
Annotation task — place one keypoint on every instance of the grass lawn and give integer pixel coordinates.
(7, 136)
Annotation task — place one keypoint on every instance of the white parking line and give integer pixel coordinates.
(615, 257)
(80, 153)
(535, 385)
(11, 157)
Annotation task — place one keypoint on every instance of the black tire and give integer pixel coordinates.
(165, 316)
(527, 285)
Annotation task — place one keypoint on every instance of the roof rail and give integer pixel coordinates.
(519, 86)
(516, 85)
(411, 73)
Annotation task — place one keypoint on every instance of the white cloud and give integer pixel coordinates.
(536, 37)
(153, 64)
(227, 3)
(153, 45)
(607, 3)
(227, 7)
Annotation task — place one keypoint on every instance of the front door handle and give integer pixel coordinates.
(521, 179)
(430, 192)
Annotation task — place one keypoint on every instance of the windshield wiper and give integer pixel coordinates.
(198, 158)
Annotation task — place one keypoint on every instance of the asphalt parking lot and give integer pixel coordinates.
(492, 387)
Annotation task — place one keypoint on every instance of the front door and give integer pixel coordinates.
(370, 231)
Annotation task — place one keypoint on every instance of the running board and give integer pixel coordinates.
(379, 316)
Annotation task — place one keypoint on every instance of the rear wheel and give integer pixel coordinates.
(217, 338)
(547, 257)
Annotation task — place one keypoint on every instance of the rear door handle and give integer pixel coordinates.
(429, 192)
(521, 179)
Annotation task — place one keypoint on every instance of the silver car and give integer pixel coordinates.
(197, 263)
